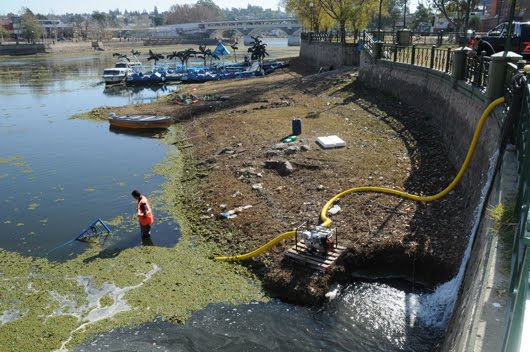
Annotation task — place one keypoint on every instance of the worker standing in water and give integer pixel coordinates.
(145, 214)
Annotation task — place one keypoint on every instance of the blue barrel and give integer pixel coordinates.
(297, 127)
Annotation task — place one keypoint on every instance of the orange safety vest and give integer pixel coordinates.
(148, 217)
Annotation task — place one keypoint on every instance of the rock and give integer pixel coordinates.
(223, 206)
(257, 186)
(226, 150)
(320, 188)
(283, 167)
(247, 172)
(273, 152)
(305, 148)
(292, 150)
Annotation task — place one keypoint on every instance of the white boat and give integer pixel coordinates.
(128, 64)
(116, 75)
(125, 62)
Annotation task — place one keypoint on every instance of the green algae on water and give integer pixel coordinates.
(33, 206)
(116, 221)
(58, 305)
(166, 282)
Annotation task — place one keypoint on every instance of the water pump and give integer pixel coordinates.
(319, 239)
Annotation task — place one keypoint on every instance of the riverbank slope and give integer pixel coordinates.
(235, 142)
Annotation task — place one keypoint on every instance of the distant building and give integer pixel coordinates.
(52, 29)
(498, 11)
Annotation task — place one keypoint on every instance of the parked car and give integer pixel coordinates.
(520, 42)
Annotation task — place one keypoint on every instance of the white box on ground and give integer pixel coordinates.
(331, 142)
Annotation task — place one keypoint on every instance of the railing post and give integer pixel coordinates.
(432, 57)
(378, 46)
(413, 55)
(497, 72)
(459, 63)
(395, 52)
(448, 60)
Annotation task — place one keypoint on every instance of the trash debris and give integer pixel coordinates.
(289, 139)
(188, 99)
(234, 212)
(334, 209)
(327, 142)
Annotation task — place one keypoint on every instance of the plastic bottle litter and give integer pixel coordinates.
(289, 139)
(334, 209)
(234, 212)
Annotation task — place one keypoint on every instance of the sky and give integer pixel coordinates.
(59, 7)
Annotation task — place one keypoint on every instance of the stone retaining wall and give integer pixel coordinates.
(319, 54)
(455, 109)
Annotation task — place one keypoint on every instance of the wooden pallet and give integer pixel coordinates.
(315, 260)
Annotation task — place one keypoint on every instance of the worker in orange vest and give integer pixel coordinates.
(145, 214)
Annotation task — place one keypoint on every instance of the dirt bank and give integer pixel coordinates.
(388, 144)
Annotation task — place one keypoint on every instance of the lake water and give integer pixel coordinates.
(57, 175)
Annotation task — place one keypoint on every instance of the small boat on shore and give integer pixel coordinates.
(138, 121)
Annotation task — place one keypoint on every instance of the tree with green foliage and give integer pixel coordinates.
(30, 26)
(474, 23)
(101, 21)
(4, 33)
(158, 19)
(310, 12)
(423, 14)
(343, 14)
(203, 10)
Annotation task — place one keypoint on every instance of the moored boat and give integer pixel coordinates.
(116, 74)
(139, 121)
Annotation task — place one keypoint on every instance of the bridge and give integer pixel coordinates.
(246, 28)
(290, 26)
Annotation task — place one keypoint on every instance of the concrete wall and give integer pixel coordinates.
(454, 108)
(320, 54)
(22, 49)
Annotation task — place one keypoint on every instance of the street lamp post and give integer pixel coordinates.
(379, 21)
(508, 43)
(405, 15)
(311, 5)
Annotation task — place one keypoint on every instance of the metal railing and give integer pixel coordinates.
(476, 70)
(518, 99)
(433, 58)
(422, 38)
(520, 268)
(328, 37)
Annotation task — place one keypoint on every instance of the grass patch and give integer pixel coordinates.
(504, 227)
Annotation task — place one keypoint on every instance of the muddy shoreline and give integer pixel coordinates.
(229, 143)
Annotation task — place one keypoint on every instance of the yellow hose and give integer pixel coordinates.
(260, 250)
(327, 221)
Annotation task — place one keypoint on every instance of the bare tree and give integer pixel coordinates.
(454, 11)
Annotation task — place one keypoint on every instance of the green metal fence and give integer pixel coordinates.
(433, 57)
(519, 300)
(518, 120)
